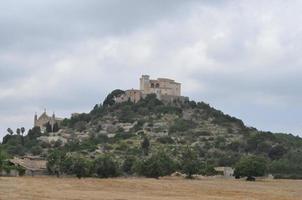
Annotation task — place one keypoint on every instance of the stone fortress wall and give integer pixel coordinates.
(165, 89)
(161, 86)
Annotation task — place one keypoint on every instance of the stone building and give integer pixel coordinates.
(32, 165)
(165, 89)
(44, 119)
(227, 172)
(132, 95)
(161, 86)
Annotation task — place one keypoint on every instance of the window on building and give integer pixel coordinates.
(157, 85)
(152, 85)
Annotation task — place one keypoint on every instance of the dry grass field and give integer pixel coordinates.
(46, 188)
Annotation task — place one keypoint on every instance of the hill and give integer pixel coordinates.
(131, 132)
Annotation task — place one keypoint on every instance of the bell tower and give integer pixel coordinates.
(145, 84)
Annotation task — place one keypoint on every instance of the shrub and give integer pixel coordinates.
(181, 125)
(128, 164)
(251, 166)
(105, 167)
(209, 171)
(158, 164)
(36, 150)
(277, 152)
(55, 161)
(165, 140)
(123, 136)
(21, 171)
(81, 167)
(80, 126)
(3, 157)
(291, 164)
(109, 101)
(145, 145)
(189, 162)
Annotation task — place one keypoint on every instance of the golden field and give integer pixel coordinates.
(46, 188)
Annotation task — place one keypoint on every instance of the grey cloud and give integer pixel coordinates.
(240, 56)
(43, 25)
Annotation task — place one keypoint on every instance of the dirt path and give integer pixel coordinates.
(46, 188)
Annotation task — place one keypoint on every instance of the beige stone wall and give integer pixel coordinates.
(161, 86)
(164, 88)
(132, 95)
(44, 119)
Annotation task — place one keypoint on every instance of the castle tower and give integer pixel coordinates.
(145, 84)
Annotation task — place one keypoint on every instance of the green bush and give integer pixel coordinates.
(55, 162)
(123, 136)
(109, 101)
(276, 152)
(81, 167)
(190, 164)
(128, 165)
(251, 166)
(105, 167)
(209, 171)
(290, 164)
(165, 140)
(36, 150)
(21, 171)
(181, 125)
(156, 165)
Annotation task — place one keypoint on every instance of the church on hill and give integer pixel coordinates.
(45, 122)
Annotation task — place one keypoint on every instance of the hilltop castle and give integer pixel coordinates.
(166, 90)
(44, 120)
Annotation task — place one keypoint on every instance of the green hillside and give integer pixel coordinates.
(137, 138)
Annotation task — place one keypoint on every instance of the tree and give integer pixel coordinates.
(36, 150)
(145, 146)
(80, 167)
(48, 127)
(3, 157)
(181, 125)
(34, 133)
(128, 164)
(55, 128)
(105, 166)
(250, 166)
(10, 131)
(290, 165)
(109, 101)
(22, 131)
(55, 162)
(158, 164)
(189, 162)
(18, 131)
(277, 152)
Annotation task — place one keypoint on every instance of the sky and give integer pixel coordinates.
(240, 56)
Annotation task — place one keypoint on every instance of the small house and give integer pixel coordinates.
(226, 171)
(33, 165)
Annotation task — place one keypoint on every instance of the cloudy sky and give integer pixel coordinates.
(241, 56)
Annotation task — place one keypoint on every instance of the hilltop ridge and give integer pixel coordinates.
(120, 129)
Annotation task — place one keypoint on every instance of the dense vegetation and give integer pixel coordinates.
(189, 137)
